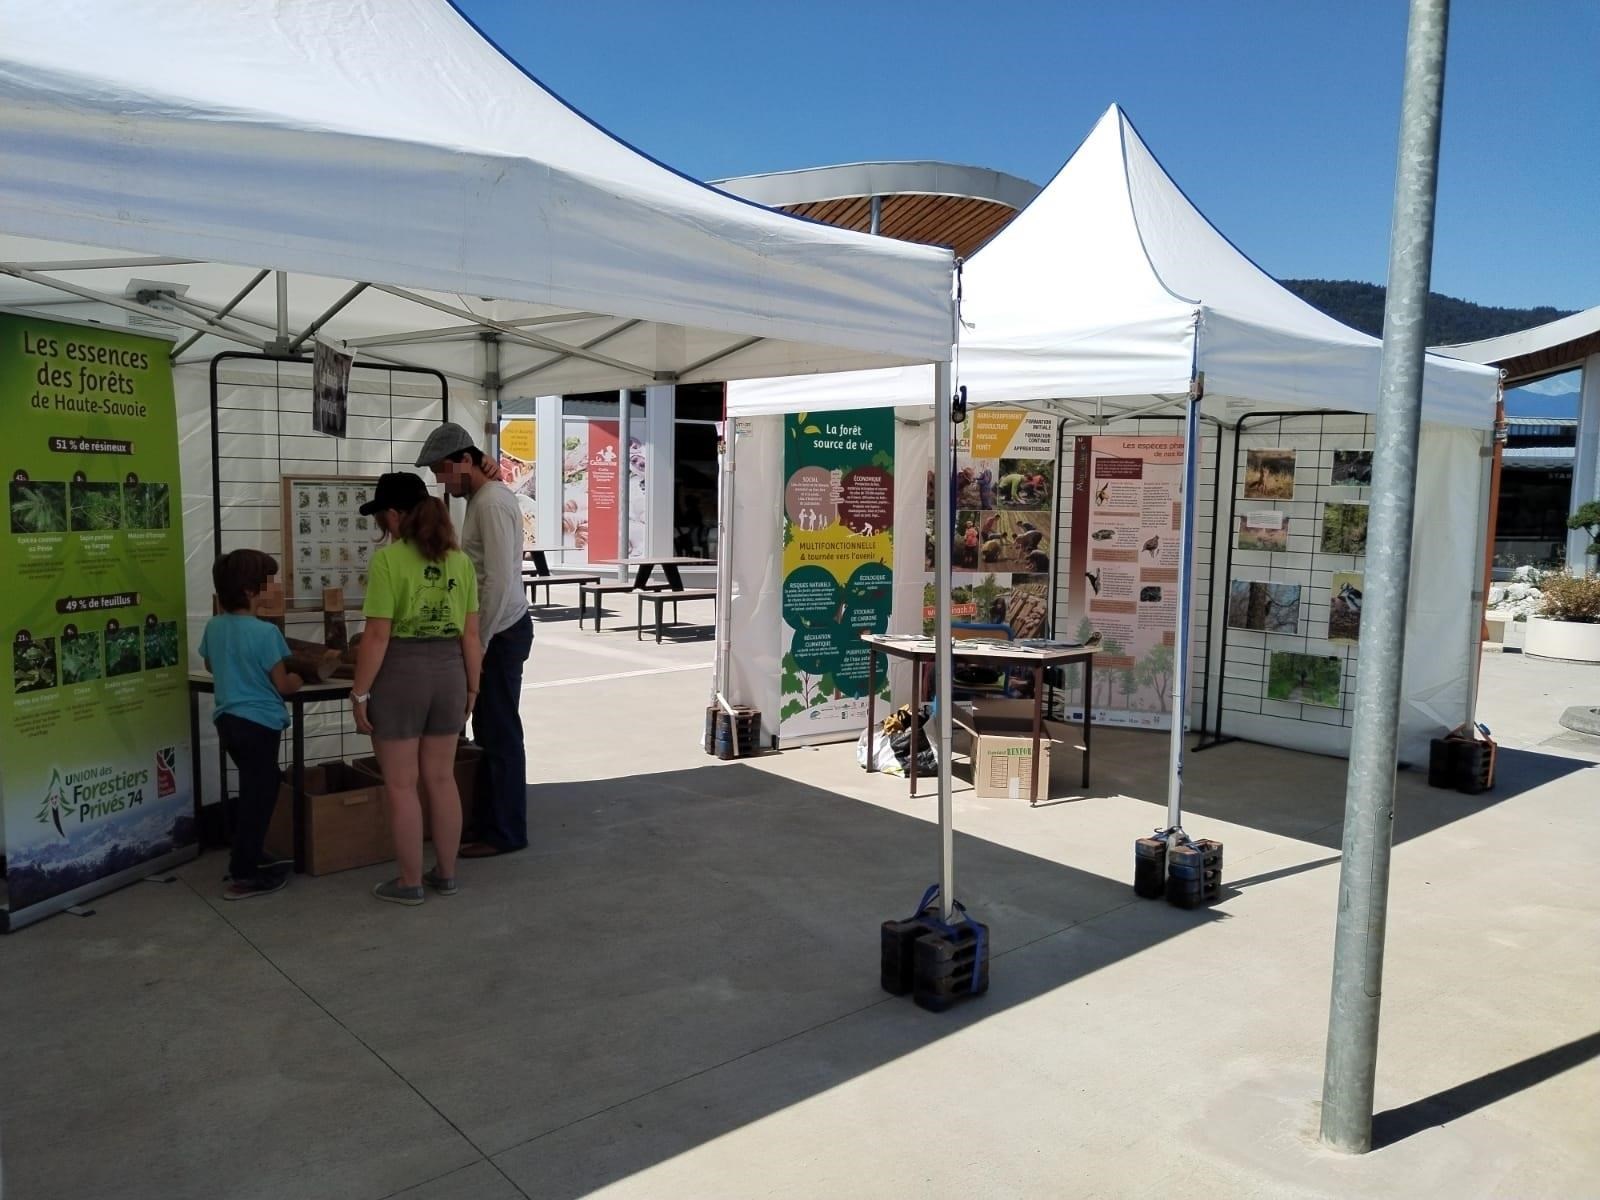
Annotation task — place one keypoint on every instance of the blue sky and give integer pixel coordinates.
(1279, 120)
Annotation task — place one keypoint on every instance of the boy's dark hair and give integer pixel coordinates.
(240, 572)
(472, 452)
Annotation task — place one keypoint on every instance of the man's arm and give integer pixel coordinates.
(502, 565)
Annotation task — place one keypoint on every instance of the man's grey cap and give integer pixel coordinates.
(444, 441)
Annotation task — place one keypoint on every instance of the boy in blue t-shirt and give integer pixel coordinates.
(245, 656)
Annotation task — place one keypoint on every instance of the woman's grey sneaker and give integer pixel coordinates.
(396, 892)
(445, 887)
(249, 889)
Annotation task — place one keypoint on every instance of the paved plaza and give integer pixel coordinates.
(675, 993)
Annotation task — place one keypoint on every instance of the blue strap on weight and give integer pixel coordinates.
(980, 936)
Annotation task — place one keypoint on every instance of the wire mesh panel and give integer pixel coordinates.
(261, 436)
(1294, 553)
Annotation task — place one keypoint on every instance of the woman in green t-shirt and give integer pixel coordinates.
(416, 675)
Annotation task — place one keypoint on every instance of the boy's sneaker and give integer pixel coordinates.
(396, 892)
(445, 887)
(249, 889)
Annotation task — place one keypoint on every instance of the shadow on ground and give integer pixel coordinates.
(1441, 1108)
(666, 925)
(1301, 796)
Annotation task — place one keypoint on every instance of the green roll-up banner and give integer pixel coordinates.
(838, 565)
(96, 788)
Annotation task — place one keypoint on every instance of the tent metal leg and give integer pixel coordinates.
(944, 521)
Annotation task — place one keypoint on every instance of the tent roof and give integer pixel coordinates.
(1533, 354)
(1112, 286)
(393, 144)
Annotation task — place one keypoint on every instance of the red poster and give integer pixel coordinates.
(604, 467)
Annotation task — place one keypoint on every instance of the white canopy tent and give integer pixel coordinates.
(248, 175)
(1106, 300)
(414, 194)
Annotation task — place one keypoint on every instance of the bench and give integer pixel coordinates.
(600, 590)
(547, 581)
(661, 599)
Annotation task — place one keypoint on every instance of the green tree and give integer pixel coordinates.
(1110, 647)
(1155, 673)
(1587, 518)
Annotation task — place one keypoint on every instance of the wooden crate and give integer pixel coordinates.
(347, 824)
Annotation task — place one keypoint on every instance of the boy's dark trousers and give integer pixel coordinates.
(502, 802)
(254, 750)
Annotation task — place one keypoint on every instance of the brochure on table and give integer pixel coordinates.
(95, 786)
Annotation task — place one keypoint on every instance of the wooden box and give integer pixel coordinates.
(347, 825)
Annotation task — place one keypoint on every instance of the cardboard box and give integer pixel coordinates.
(347, 824)
(999, 740)
(467, 759)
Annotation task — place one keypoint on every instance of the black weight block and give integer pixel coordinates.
(1150, 867)
(946, 966)
(897, 957)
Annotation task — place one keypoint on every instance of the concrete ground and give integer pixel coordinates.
(675, 993)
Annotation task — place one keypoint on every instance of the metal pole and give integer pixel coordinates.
(624, 438)
(282, 344)
(491, 394)
(1489, 490)
(943, 441)
(1180, 649)
(876, 211)
(727, 490)
(1351, 1067)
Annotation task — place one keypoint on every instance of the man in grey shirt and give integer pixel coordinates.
(492, 537)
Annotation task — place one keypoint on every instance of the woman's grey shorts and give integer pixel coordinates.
(420, 689)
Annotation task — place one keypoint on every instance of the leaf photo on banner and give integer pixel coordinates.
(1344, 529)
(1304, 678)
(1264, 606)
(1269, 475)
(1344, 607)
(38, 507)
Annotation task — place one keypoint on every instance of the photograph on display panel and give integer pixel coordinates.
(1344, 529)
(1351, 468)
(1304, 678)
(1264, 606)
(1344, 607)
(1267, 531)
(1269, 475)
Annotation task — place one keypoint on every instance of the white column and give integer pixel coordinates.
(1585, 475)
(624, 492)
(547, 469)
(660, 468)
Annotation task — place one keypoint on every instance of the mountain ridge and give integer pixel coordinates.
(1449, 320)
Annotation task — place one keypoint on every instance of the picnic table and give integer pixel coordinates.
(659, 594)
(536, 574)
(1036, 655)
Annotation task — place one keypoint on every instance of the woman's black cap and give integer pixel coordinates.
(399, 490)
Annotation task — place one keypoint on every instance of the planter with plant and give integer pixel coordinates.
(1567, 625)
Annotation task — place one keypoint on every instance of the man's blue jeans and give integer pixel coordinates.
(502, 800)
